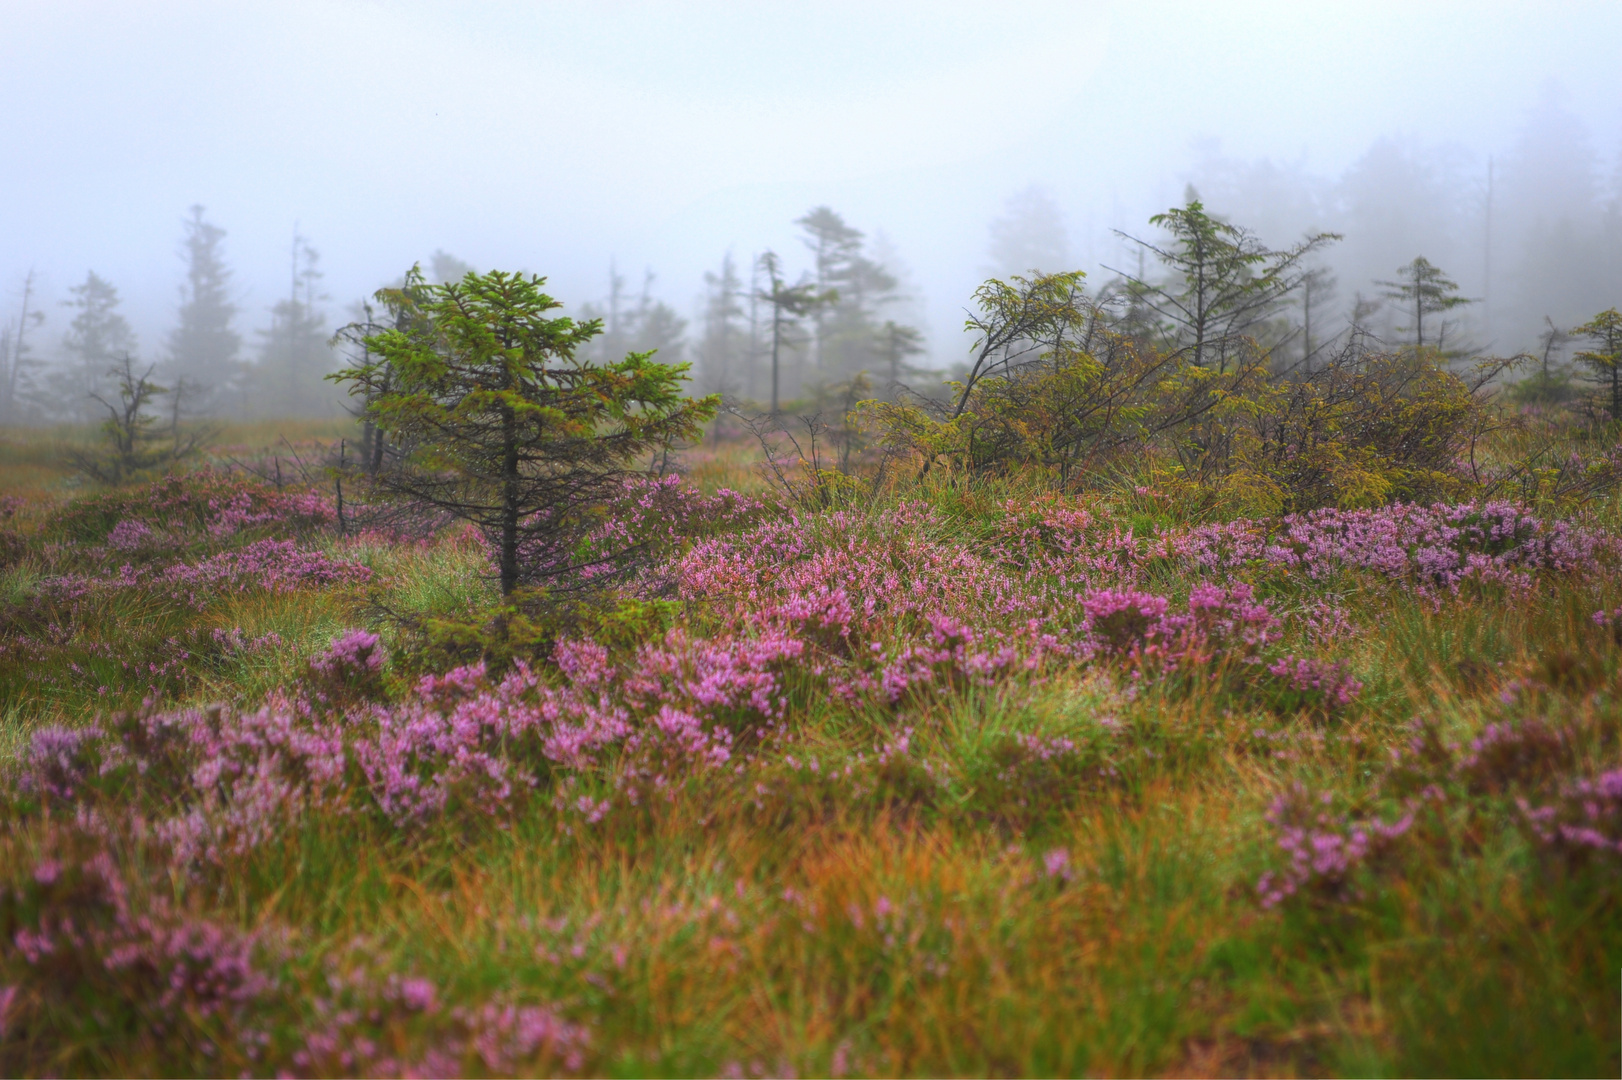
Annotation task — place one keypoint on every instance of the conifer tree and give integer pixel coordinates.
(514, 429)
(17, 365)
(294, 353)
(848, 327)
(897, 344)
(1424, 290)
(789, 304)
(723, 349)
(203, 346)
(642, 325)
(1604, 360)
(1225, 283)
(98, 336)
(1029, 236)
(447, 267)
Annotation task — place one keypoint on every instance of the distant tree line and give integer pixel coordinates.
(198, 369)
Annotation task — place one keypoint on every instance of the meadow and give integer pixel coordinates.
(954, 775)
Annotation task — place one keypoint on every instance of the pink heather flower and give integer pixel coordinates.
(57, 762)
(1329, 679)
(1325, 850)
(1123, 620)
(354, 652)
(1056, 863)
(839, 1066)
(128, 534)
(1584, 820)
(417, 994)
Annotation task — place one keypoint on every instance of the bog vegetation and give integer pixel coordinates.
(1144, 703)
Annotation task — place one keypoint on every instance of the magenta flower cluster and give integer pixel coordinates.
(88, 939)
(353, 653)
(1584, 818)
(496, 1038)
(81, 924)
(1434, 548)
(1330, 680)
(273, 565)
(1324, 850)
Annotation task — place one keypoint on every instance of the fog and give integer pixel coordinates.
(961, 140)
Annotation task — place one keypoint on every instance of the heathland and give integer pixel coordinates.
(1146, 714)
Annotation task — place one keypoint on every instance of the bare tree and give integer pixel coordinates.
(14, 359)
(135, 444)
(789, 304)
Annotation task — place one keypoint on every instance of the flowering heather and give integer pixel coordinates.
(58, 761)
(1509, 756)
(273, 565)
(89, 942)
(1431, 547)
(1328, 681)
(235, 642)
(1584, 819)
(661, 515)
(967, 763)
(198, 508)
(129, 534)
(371, 1025)
(650, 519)
(1324, 851)
(349, 668)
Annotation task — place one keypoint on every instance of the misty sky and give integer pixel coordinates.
(554, 137)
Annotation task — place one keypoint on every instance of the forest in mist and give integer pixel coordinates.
(896, 157)
(1531, 232)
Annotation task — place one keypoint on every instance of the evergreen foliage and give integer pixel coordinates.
(1029, 237)
(1604, 360)
(203, 347)
(789, 304)
(97, 337)
(1424, 290)
(134, 445)
(512, 428)
(18, 368)
(1224, 285)
(294, 355)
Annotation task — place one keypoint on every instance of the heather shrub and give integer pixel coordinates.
(13, 548)
(113, 970)
(59, 762)
(1305, 684)
(1582, 821)
(1524, 775)
(185, 509)
(1330, 856)
(368, 1023)
(350, 669)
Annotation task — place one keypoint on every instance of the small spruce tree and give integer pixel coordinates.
(1604, 360)
(203, 346)
(1425, 290)
(512, 428)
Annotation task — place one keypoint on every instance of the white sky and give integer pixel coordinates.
(553, 137)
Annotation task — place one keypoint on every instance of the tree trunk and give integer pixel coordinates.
(777, 340)
(509, 502)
